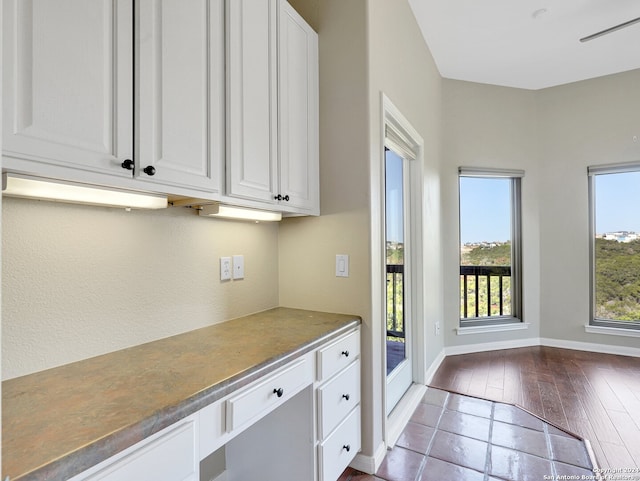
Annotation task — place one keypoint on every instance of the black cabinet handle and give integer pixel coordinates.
(346, 447)
(281, 197)
(286, 198)
(346, 396)
(149, 170)
(278, 392)
(277, 197)
(345, 353)
(128, 164)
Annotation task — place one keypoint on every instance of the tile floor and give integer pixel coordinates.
(454, 437)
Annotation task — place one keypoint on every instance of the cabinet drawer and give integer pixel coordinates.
(267, 394)
(338, 397)
(338, 355)
(339, 449)
(170, 456)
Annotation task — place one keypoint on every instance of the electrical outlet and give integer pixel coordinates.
(238, 267)
(225, 268)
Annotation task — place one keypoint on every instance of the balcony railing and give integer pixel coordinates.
(395, 300)
(486, 291)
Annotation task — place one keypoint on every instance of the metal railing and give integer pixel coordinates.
(395, 300)
(479, 290)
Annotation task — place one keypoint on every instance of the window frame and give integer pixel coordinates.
(592, 172)
(515, 177)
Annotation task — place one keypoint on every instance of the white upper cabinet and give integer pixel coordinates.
(252, 166)
(67, 86)
(272, 109)
(180, 92)
(298, 124)
(70, 84)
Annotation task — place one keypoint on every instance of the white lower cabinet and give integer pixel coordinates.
(170, 455)
(283, 425)
(338, 450)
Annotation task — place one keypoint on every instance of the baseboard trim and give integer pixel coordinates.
(370, 464)
(491, 346)
(537, 341)
(431, 370)
(591, 347)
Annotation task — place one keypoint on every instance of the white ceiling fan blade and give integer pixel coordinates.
(610, 30)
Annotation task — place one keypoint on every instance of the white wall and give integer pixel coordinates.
(79, 281)
(581, 124)
(489, 126)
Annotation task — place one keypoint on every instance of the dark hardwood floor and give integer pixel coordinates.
(596, 396)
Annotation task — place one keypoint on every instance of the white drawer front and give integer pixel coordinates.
(339, 449)
(338, 397)
(264, 397)
(338, 355)
(171, 457)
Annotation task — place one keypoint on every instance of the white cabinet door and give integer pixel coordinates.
(180, 92)
(67, 88)
(251, 96)
(298, 111)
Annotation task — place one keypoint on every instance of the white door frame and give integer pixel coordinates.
(399, 135)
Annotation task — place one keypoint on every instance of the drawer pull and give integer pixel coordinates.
(345, 353)
(278, 392)
(346, 447)
(346, 396)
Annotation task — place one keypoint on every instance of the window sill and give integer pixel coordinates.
(612, 331)
(515, 326)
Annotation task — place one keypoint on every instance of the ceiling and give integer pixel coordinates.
(505, 42)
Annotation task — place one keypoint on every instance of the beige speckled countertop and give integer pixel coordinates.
(59, 422)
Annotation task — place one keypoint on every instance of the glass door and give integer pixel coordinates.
(398, 312)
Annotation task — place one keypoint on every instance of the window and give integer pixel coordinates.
(615, 245)
(490, 273)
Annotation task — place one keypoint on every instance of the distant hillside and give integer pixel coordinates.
(499, 255)
(617, 275)
(617, 280)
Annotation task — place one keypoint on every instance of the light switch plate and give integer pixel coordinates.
(342, 265)
(225, 268)
(238, 267)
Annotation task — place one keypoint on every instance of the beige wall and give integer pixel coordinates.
(489, 126)
(553, 134)
(79, 281)
(308, 246)
(586, 123)
(365, 48)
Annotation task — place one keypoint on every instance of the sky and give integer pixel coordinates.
(485, 206)
(394, 194)
(617, 202)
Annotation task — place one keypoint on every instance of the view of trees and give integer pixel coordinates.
(485, 254)
(617, 267)
(395, 289)
(617, 280)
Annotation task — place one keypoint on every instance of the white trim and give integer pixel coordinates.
(370, 464)
(559, 343)
(431, 370)
(491, 346)
(612, 331)
(591, 347)
(619, 168)
(489, 172)
(515, 326)
(403, 411)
